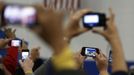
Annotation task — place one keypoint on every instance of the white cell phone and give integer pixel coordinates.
(16, 43)
(25, 54)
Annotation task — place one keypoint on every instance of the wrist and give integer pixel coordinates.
(103, 72)
(114, 39)
(28, 70)
(58, 46)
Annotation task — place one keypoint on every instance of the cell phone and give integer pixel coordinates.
(25, 54)
(15, 43)
(19, 15)
(92, 19)
(89, 51)
(110, 56)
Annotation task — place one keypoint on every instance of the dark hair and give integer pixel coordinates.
(2, 72)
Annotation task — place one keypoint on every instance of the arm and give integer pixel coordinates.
(73, 28)
(27, 66)
(118, 59)
(51, 31)
(112, 36)
(101, 63)
(3, 42)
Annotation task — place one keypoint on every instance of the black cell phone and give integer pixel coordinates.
(25, 54)
(15, 43)
(89, 51)
(92, 19)
(110, 56)
(14, 14)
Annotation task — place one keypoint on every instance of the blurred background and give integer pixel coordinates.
(124, 18)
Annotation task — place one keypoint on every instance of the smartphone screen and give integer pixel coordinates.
(16, 43)
(94, 20)
(25, 54)
(17, 14)
(89, 51)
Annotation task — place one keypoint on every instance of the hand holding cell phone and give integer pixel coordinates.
(101, 62)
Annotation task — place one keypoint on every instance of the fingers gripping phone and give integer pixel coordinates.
(25, 54)
(89, 51)
(92, 19)
(19, 14)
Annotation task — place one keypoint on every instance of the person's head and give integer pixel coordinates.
(35, 53)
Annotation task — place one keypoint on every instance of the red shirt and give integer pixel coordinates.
(11, 59)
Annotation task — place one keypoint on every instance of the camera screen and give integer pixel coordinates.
(14, 14)
(91, 19)
(25, 55)
(90, 52)
(15, 43)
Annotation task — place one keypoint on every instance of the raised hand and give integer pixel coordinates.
(112, 36)
(27, 65)
(101, 63)
(51, 27)
(10, 33)
(73, 29)
(110, 33)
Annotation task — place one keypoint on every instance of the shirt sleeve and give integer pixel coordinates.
(42, 69)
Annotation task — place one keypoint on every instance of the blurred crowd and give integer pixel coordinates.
(63, 61)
